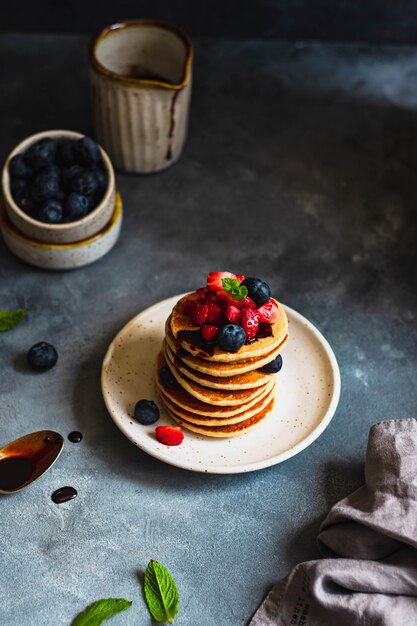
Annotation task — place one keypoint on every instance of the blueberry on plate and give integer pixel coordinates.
(146, 412)
(42, 356)
(65, 153)
(76, 207)
(167, 378)
(87, 151)
(25, 201)
(18, 167)
(231, 337)
(45, 187)
(51, 212)
(84, 183)
(274, 366)
(41, 153)
(258, 290)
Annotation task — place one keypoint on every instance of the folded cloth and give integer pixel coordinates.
(371, 537)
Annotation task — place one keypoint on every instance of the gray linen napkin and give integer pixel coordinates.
(371, 579)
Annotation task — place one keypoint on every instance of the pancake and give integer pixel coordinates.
(181, 322)
(182, 398)
(216, 368)
(228, 430)
(249, 380)
(211, 421)
(222, 397)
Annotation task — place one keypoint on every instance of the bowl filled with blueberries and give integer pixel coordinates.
(58, 187)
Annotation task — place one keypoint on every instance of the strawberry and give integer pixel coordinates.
(250, 323)
(240, 277)
(214, 280)
(268, 312)
(209, 332)
(214, 315)
(199, 315)
(169, 435)
(232, 313)
(224, 296)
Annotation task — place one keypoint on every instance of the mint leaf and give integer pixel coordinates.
(160, 592)
(96, 613)
(10, 319)
(233, 286)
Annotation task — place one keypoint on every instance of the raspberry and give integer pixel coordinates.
(232, 313)
(190, 303)
(169, 435)
(209, 332)
(214, 280)
(249, 304)
(250, 323)
(268, 312)
(199, 314)
(214, 315)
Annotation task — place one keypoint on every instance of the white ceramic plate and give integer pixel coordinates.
(308, 390)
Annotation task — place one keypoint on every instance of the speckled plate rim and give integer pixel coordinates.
(242, 467)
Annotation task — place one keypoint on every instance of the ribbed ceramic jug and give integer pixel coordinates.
(141, 73)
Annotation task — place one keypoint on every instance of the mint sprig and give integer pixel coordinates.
(97, 612)
(160, 593)
(10, 319)
(237, 291)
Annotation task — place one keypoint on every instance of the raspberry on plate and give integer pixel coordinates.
(232, 313)
(214, 315)
(169, 435)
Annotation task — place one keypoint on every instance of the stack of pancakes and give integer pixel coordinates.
(219, 394)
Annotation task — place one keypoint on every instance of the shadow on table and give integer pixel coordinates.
(340, 480)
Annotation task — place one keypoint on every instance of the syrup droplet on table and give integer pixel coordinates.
(64, 494)
(15, 472)
(75, 436)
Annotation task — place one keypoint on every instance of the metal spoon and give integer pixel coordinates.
(25, 460)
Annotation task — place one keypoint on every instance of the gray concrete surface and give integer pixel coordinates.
(301, 168)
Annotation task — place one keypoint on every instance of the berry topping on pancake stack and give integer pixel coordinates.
(222, 348)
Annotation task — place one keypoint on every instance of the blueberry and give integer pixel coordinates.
(41, 153)
(146, 412)
(65, 153)
(76, 207)
(231, 337)
(42, 356)
(18, 184)
(51, 212)
(274, 366)
(69, 173)
(84, 183)
(167, 378)
(101, 178)
(45, 187)
(25, 201)
(51, 170)
(19, 168)
(87, 151)
(258, 290)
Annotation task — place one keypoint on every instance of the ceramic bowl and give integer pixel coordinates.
(141, 74)
(62, 256)
(80, 230)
